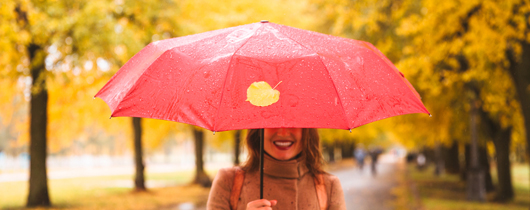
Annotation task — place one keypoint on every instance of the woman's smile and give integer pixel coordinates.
(283, 143)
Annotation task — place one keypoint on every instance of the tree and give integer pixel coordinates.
(450, 47)
(486, 64)
(501, 138)
(143, 22)
(39, 37)
(237, 147)
(38, 182)
(518, 52)
(451, 158)
(201, 177)
(139, 179)
(38, 190)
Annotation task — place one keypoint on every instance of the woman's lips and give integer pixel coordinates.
(283, 144)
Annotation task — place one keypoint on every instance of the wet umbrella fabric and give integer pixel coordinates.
(202, 79)
(214, 79)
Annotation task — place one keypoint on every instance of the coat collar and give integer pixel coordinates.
(292, 169)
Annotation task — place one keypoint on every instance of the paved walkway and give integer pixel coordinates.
(363, 191)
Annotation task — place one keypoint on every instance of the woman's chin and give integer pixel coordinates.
(282, 155)
(279, 152)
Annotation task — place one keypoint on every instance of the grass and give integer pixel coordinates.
(115, 192)
(423, 190)
(111, 192)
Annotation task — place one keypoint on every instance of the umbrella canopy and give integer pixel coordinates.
(222, 80)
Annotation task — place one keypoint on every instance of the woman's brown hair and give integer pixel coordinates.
(310, 150)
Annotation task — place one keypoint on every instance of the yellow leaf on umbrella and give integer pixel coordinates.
(261, 94)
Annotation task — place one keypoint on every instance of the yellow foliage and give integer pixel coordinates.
(157, 132)
(201, 15)
(442, 48)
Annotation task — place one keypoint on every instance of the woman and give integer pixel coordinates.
(293, 176)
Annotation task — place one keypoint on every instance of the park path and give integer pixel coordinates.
(363, 191)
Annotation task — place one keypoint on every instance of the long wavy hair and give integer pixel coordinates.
(310, 151)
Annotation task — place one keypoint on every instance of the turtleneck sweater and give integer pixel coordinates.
(289, 169)
(288, 182)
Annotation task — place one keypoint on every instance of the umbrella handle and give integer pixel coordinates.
(261, 139)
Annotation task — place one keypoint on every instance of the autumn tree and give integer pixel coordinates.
(142, 22)
(201, 177)
(52, 42)
(458, 54)
(39, 36)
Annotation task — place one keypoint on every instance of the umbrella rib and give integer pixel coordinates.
(133, 86)
(333, 81)
(135, 83)
(224, 83)
(336, 91)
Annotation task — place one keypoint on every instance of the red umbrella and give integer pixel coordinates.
(221, 80)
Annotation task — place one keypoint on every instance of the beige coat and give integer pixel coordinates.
(286, 181)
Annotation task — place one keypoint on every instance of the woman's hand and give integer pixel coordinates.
(262, 204)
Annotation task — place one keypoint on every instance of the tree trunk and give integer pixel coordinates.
(502, 148)
(439, 161)
(139, 178)
(201, 177)
(237, 147)
(451, 160)
(519, 69)
(476, 190)
(467, 158)
(486, 167)
(38, 180)
(330, 149)
(520, 155)
(501, 139)
(347, 149)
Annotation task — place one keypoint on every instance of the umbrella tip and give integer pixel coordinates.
(214, 133)
(350, 130)
(264, 21)
(430, 115)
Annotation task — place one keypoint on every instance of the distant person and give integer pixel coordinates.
(374, 155)
(420, 161)
(359, 155)
(293, 175)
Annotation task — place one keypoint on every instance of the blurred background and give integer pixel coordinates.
(469, 60)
